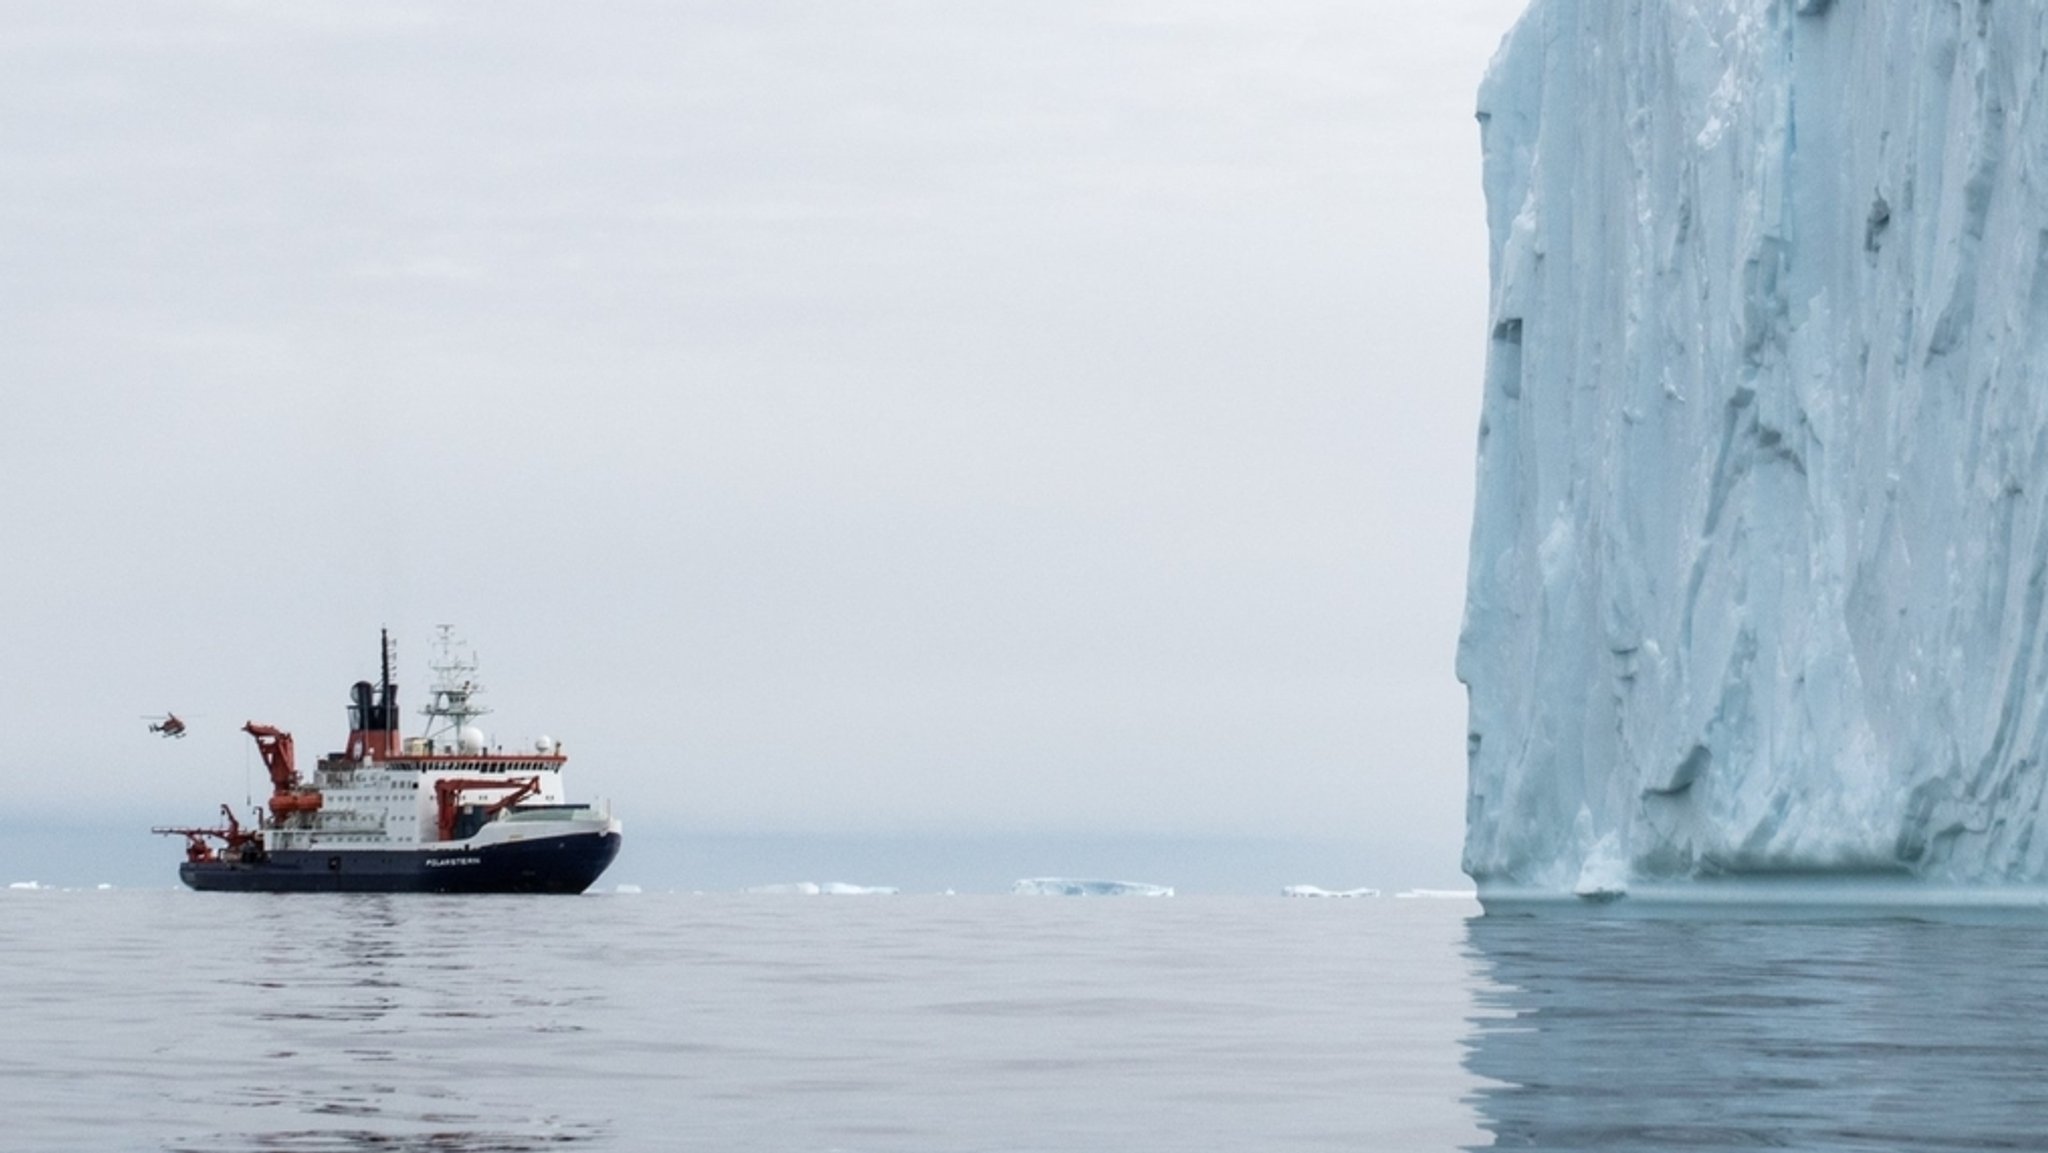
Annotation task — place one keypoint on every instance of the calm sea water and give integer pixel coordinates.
(165, 1020)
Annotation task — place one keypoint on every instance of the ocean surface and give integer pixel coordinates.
(168, 1020)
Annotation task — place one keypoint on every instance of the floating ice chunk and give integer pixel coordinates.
(1315, 891)
(1073, 887)
(823, 888)
(626, 889)
(23, 885)
(1437, 895)
(103, 886)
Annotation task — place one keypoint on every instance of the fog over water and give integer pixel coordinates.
(888, 420)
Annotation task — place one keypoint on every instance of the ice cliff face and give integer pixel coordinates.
(1761, 548)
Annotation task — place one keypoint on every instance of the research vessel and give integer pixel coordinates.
(388, 813)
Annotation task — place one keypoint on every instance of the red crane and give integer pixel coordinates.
(236, 841)
(448, 796)
(286, 794)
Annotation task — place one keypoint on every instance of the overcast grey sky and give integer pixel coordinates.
(882, 417)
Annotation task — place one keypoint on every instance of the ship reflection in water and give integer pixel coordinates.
(384, 1035)
(1604, 1034)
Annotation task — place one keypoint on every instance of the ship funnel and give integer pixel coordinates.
(373, 711)
(361, 709)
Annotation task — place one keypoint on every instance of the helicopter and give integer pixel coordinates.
(168, 724)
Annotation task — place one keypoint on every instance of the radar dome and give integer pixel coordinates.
(544, 746)
(472, 739)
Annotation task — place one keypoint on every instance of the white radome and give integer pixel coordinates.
(472, 739)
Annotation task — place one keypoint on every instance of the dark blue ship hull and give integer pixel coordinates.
(565, 864)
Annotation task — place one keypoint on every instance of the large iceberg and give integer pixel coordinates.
(1760, 552)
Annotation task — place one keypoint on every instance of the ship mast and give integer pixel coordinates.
(452, 702)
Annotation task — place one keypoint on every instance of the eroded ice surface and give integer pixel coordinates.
(1075, 887)
(1760, 550)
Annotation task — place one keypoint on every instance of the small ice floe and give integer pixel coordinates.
(1316, 891)
(622, 888)
(1076, 887)
(1438, 895)
(103, 886)
(824, 888)
(25, 886)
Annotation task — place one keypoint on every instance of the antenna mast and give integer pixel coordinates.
(453, 702)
